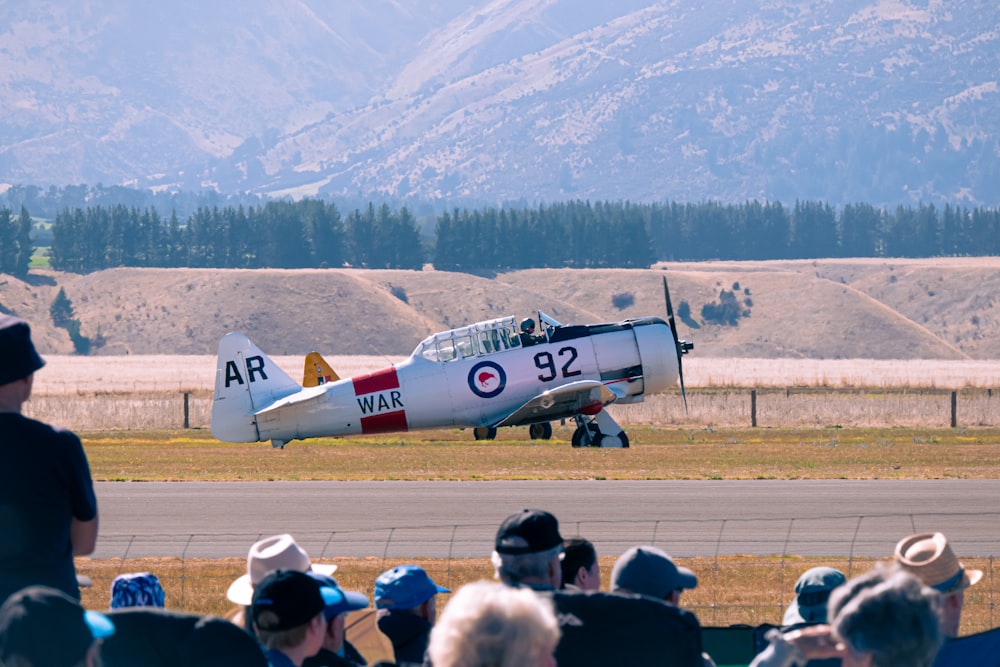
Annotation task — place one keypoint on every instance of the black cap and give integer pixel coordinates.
(528, 532)
(18, 358)
(47, 627)
(286, 599)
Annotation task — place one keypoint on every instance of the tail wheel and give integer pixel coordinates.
(541, 431)
(484, 433)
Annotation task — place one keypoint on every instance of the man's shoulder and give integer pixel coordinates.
(38, 451)
(600, 628)
(599, 603)
(16, 425)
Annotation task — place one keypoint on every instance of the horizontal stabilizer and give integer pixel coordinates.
(307, 394)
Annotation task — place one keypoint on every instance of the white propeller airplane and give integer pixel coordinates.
(481, 376)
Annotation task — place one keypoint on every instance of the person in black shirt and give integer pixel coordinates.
(48, 510)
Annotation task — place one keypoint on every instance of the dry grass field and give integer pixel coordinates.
(657, 453)
(817, 309)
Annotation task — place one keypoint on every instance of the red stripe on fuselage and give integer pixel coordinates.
(377, 381)
(388, 422)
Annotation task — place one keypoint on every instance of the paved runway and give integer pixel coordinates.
(459, 519)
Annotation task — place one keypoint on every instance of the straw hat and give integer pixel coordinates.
(278, 552)
(930, 558)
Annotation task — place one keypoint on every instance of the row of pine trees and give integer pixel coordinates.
(16, 245)
(576, 234)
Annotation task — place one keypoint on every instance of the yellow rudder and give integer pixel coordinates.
(316, 371)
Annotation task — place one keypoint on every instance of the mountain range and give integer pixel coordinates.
(499, 101)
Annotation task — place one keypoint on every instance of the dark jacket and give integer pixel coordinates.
(326, 658)
(409, 635)
(603, 629)
(154, 637)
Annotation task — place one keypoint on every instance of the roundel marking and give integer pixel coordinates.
(487, 379)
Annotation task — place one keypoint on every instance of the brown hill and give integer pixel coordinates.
(822, 309)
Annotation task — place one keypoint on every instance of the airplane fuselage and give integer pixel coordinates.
(474, 376)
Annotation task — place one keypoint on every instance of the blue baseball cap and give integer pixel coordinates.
(336, 600)
(405, 587)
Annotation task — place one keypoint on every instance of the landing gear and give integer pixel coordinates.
(599, 431)
(484, 433)
(619, 441)
(541, 431)
(585, 435)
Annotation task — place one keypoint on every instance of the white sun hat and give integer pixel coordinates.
(278, 552)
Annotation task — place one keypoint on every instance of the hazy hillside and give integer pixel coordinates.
(825, 309)
(486, 101)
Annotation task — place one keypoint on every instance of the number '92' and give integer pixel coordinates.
(545, 362)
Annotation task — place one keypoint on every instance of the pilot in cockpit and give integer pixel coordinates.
(527, 335)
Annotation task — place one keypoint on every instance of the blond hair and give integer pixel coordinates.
(489, 624)
(279, 639)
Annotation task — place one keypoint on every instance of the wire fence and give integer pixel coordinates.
(747, 568)
(735, 407)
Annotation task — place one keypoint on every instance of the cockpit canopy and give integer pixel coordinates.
(474, 340)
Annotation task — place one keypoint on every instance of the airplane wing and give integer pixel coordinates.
(585, 396)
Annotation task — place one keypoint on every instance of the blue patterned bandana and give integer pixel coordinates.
(137, 589)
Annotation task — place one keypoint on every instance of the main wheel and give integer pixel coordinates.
(619, 441)
(578, 438)
(484, 433)
(541, 431)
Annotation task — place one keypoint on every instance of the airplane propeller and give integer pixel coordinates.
(682, 346)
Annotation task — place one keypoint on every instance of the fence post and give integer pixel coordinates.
(753, 408)
(187, 410)
(954, 409)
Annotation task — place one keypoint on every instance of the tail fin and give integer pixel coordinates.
(246, 380)
(317, 371)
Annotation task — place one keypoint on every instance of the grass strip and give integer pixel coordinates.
(656, 453)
